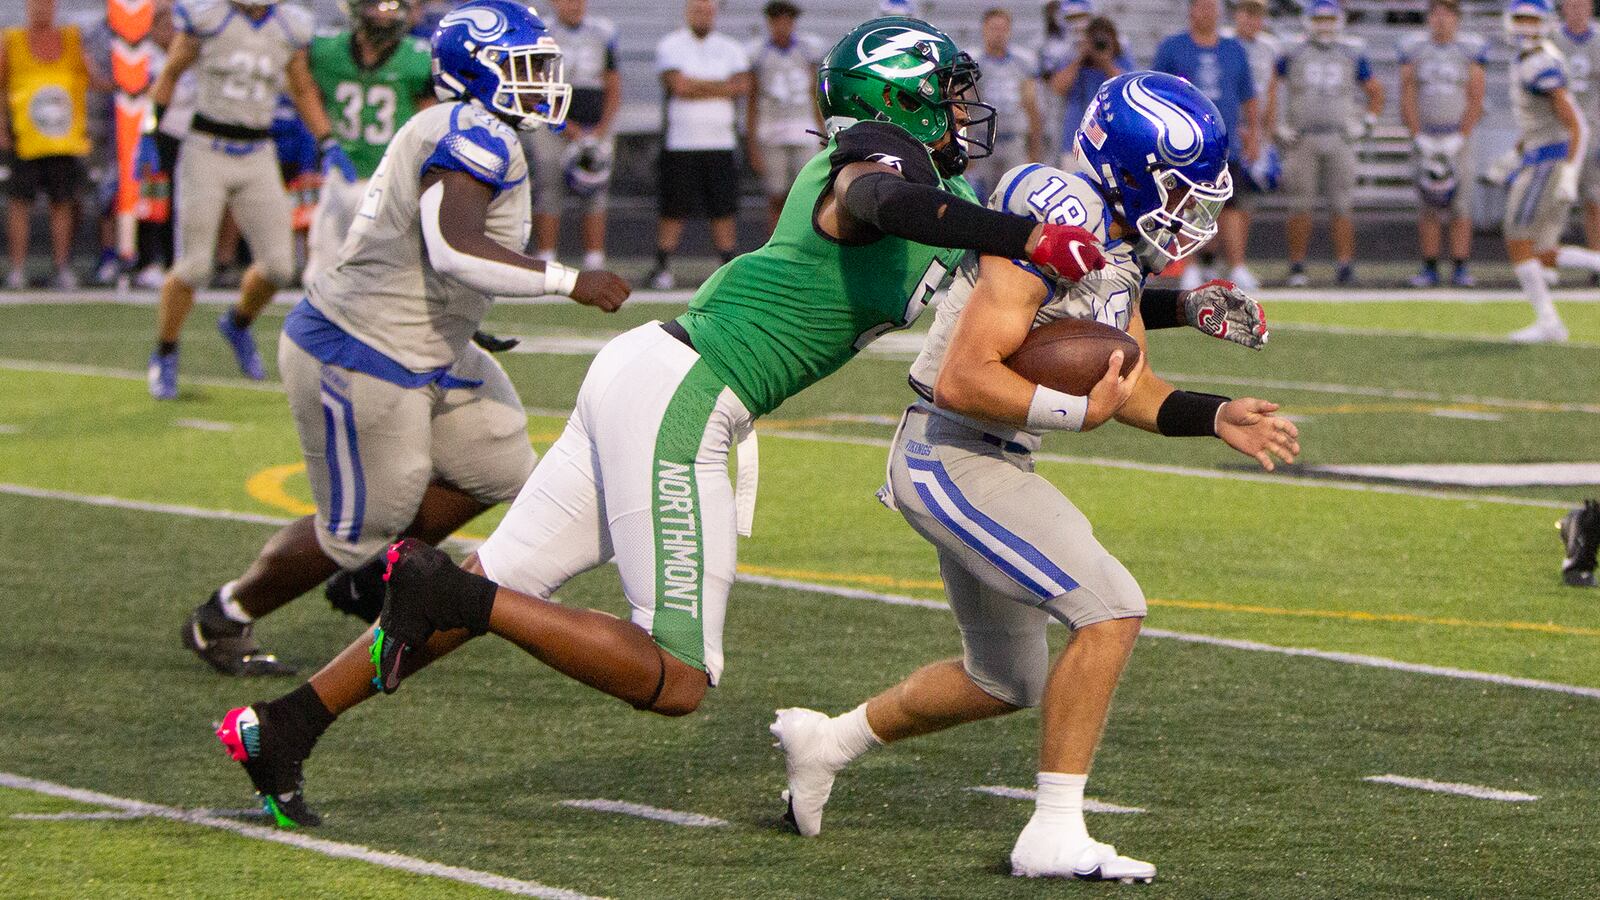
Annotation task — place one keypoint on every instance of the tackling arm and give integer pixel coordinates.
(307, 97)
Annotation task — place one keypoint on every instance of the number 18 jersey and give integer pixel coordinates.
(368, 105)
(773, 322)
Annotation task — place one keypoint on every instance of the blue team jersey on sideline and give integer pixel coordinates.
(1221, 72)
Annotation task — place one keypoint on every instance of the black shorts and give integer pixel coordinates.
(57, 177)
(698, 183)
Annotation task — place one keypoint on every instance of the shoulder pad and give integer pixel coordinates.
(477, 144)
(201, 18)
(885, 143)
(1541, 72)
(603, 27)
(1048, 194)
(1410, 44)
(298, 24)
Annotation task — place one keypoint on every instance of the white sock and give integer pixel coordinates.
(1530, 274)
(231, 607)
(853, 733)
(1060, 804)
(1570, 257)
(594, 259)
(545, 256)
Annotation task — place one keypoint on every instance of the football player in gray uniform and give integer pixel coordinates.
(247, 54)
(781, 116)
(1579, 41)
(406, 426)
(1441, 102)
(1009, 86)
(1318, 127)
(1552, 140)
(1014, 553)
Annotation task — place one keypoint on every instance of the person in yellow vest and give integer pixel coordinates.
(45, 81)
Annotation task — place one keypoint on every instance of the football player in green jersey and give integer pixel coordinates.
(373, 78)
(873, 227)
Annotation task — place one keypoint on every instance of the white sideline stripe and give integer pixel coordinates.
(1464, 296)
(10, 429)
(105, 815)
(1452, 787)
(1468, 415)
(1089, 803)
(1357, 390)
(899, 599)
(65, 368)
(336, 849)
(1478, 474)
(623, 807)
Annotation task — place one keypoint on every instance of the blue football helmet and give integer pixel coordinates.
(1158, 150)
(1324, 20)
(1529, 22)
(499, 54)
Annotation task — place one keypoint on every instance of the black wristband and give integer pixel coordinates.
(1189, 414)
(1159, 308)
(936, 218)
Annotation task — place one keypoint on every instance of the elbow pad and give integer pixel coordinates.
(487, 276)
(935, 218)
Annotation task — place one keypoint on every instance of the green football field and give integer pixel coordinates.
(1433, 644)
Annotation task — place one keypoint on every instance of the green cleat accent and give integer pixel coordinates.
(377, 659)
(269, 805)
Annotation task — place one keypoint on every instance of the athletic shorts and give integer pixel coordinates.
(1534, 211)
(58, 178)
(546, 152)
(1013, 551)
(698, 183)
(1318, 169)
(217, 175)
(640, 474)
(372, 447)
(784, 163)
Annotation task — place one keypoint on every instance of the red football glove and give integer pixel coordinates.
(1068, 251)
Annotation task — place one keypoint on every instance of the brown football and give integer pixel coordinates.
(1072, 354)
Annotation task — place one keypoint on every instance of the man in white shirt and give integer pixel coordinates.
(781, 119)
(702, 73)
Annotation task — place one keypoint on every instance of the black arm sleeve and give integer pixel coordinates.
(928, 215)
(1159, 308)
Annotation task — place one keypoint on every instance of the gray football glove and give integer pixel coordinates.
(1220, 309)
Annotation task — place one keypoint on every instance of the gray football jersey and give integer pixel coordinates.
(1443, 72)
(241, 62)
(1322, 83)
(385, 291)
(588, 52)
(1108, 296)
(1001, 86)
(1583, 71)
(1263, 52)
(786, 76)
(1534, 75)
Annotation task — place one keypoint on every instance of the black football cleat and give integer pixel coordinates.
(226, 645)
(1580, 533)
(358, 593)
(406, 622)
(277, 775)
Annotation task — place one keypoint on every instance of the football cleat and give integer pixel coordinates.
(1297, 276)
(810, 761)
(1580, 533)
(244, 346)
(1041, 854)
(410, 601)
(162, 375)
(278, 778)
(661, 279)
(1540, 333)
(226, 645)
(1425, 278)
(358, 593)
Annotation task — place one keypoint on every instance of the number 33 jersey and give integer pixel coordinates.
(241, 64)
(773, 322)
(367, 105)
(1062, 198)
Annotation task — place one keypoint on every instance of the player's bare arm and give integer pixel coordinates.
(459, 247)
(181, 56)
(975, 381)
(306, 97)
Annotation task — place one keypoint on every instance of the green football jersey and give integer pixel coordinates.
(773, 322)
(367, 106)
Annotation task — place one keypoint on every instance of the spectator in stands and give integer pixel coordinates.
(1441, 102)
(1064, 21)
(702, 73)
(1099, 56)
(1579, 42)
(576, 161)
(1220, 67)
(1009, 87)
(782, 111)
(1263, 48)
(44, 78)
(1319, 126)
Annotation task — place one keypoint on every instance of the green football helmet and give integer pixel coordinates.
(904, 71)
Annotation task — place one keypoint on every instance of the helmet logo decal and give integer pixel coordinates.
(1180, 141)
(483, 23)
(896, 39)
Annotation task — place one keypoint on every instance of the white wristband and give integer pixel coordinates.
(1052, 410)
(559, 279)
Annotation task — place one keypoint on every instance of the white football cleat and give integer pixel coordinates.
(811, 760)
(1193, 276)
(1042, 854)
(1244, 279)
(1540, 333)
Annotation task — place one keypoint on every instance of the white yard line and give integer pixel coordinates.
(623, 807)
(1089, 803)
(336, 849)
(1451, 787)
(204, 425)
(1357, 390)
(105, 815)
(66, 368)
(176, 509)
(1356, 331)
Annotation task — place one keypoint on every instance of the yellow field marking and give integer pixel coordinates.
(881, 581)
(266, 486)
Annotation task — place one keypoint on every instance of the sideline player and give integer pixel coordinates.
(406, 427)
(373, 78)
(1579, 42)
(1318, 128)
(1553, 141)
(872, 227)
(1014, 552)
(781, 110)
(1441, 102)
(246, 54)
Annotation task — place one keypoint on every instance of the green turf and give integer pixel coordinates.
(1498, 318)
